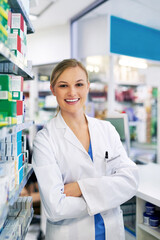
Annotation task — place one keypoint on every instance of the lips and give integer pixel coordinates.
(72, 100)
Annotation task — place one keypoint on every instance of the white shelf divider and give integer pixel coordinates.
(20, 69)
(12, 129)
(152, 231)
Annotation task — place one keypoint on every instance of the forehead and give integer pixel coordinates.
(72, 73)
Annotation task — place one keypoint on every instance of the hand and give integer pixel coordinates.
(72, 190)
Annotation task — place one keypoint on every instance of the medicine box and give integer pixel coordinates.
(8, 107)
(5, 84)
(21, 175)
(9, 20)
(3, 22)
(5, 95)
(18, 54)
(16, 83)
(18, 31)
(17, 148)
(17, 95)
(19, 107)
(17, 21)
(18, 162)
(17, 137)
(14, 41)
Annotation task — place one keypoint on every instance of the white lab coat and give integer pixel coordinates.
(59, 158)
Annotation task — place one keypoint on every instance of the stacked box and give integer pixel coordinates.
(11, 163)
(11, 99)
(17, 87)
(17, 36)
(8, 107)
(18, 217)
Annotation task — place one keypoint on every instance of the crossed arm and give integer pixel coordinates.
(72, 190)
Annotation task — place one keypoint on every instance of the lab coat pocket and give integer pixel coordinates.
(112, 164)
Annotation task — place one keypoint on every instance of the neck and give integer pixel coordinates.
(75, 119)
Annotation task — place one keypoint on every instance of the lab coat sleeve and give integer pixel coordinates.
(57, 205)
(118, 185)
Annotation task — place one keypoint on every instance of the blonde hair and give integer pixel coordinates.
(62, 66)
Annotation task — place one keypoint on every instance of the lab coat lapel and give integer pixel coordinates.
(68, 134)
(93, 135)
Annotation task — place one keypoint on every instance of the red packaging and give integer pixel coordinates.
(19, 107)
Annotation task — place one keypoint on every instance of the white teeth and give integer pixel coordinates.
(72, 100)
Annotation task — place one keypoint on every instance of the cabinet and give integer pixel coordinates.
(148, 191)
(46, 104)
(21, 170)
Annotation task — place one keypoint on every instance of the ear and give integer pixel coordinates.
(52, 90)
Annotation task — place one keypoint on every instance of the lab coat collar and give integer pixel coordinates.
(70, 136)
(60, 123)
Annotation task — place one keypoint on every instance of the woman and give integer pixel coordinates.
(83, 171)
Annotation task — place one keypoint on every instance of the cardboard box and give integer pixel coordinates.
(5, 95)
(16, 83)
(5, 84)
(19, 108)
(16, 95)
(17, 21)
(8, 107)
(14, 41)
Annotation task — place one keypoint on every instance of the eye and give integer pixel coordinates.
(63, 85)
(79, 84)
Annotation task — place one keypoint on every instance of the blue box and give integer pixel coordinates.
(20, 175)
(19, 136)
(19, 147)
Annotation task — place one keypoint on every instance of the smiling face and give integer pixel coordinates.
(71, 90)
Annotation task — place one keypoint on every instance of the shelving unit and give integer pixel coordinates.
(148, 191)
(18, 189)
(27, 227)
(12, 129)
(17, 7)
(17, 67)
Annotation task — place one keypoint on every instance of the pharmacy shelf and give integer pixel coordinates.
(130, 103)
(17, 7)
(27, 226)
(18, 189)
(133, 123)
(49, 109)
(130, 230)
(127, 84)
(144, 146)
(149, 179)
(18, 67)
(12, 129)
(152, 231)
(16, 192)
(4, 212)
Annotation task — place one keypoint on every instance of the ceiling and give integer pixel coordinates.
(57, 12)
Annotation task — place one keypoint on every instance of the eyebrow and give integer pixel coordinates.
(67, 82)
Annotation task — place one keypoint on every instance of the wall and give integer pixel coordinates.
(93, 36)
(49, 45)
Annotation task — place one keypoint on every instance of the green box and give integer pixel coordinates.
(5, 95)
(9, 107)
(4, 82)
(16, 95)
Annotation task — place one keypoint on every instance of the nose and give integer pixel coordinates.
(72, 91)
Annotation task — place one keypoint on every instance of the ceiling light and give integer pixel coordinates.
(133, 62)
